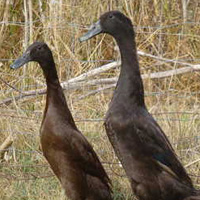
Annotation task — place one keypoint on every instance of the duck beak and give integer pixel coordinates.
(95, 29)
(25, 58)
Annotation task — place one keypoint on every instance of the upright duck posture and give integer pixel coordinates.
(69, 154)
(149, 160)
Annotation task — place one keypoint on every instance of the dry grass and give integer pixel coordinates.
(174, 101)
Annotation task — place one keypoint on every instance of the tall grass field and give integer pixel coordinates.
(168, 41)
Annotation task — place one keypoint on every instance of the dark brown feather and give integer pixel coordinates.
(69, 154)
(154, 171)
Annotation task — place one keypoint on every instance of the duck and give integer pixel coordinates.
(148, 158)
(70, 155)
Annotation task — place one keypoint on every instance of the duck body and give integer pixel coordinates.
(69, 154)
(149, 163)
(154, 171)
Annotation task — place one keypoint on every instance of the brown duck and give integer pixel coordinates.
(69, 154)
(148, 158)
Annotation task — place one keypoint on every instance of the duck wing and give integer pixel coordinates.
(87, 159)
(157, 145)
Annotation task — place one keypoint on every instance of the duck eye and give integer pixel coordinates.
(111, 16)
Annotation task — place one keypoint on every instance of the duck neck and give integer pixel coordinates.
(51, 76)
(55, 97)
(129, 86)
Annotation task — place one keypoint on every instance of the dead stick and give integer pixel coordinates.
(78, 82)
(7, 143)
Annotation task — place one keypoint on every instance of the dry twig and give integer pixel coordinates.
(82, 80)
(5, 145)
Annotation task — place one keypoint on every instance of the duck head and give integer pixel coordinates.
(38, 52)
(114, 23)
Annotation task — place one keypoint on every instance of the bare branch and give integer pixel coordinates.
(96, 91)
(66, 86)
(7, 143)
(96, 71)
(172, 72)
(82, 80)
(141, 53)
(10, 86)
(192, 163)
